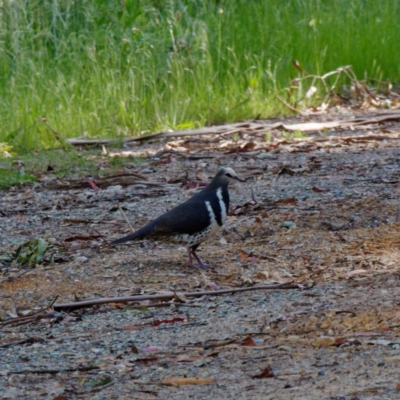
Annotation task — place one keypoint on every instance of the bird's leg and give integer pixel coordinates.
(190, 261)
(191, 253)
(201, 264)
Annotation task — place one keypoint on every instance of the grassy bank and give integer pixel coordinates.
(114, 68)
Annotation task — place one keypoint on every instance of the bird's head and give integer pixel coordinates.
(226, 175)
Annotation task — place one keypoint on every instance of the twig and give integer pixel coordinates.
(164, 304)
(285, 103)
(52, 371)
(31, 317)
(24, 341)
(126, 219)
(88, 303)
(26, 320)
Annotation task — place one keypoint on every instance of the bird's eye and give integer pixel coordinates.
(229, 175)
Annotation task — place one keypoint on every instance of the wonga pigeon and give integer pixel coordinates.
(193, 221)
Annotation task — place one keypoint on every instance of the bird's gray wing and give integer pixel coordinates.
(190, 217)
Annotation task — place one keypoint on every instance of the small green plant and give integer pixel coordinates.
(6, 151)
(235, 137)
(293, 135)
(11, 178)
(34, 252)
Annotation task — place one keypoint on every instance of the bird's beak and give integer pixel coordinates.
(239, 179)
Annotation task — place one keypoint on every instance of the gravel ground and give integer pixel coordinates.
(327, 218)
(362, 365)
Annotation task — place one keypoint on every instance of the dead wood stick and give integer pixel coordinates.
(355, 138)
(193, 132)
(27, 320)
(291, 108)
(164, 304)
(24, 341)
(88, 303)
(224, 129)
(126, 219)
(53, 371)
(31, 317)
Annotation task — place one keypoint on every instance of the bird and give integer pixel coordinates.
(192, 222)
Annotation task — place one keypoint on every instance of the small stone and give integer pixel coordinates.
(285, 348)
(200, 363)
(264, 155)
(81, 259)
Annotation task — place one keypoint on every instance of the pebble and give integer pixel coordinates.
(81, 259)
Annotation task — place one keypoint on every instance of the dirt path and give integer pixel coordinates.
(327, 217)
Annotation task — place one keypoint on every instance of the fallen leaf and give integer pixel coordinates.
(151, 349)
(288, 200)
(179, 298)
(249, 146)
(254, 260)
(168, 321)
(248, 342)
(356, 272)
(134, 349)
(146, 359)
(267, 373)
(188, 381)
(92, 184)
(243, 255)
(319, 190)
(168, 160)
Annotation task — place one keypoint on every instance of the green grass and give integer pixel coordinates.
(59, 163)
(113, 68)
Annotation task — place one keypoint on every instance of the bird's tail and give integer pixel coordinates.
(139, 234)
(124, 239)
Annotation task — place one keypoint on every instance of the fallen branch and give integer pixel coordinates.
(32, 317)
(169, 296)
(28, 319)
(105, 181)
(248, 128)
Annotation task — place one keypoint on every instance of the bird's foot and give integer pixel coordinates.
(200, 264)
